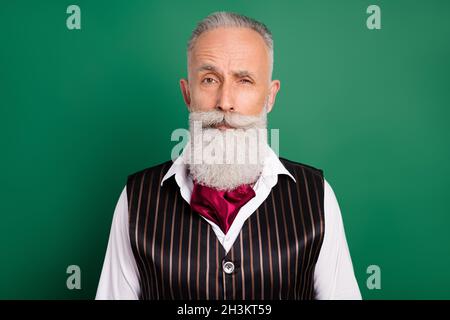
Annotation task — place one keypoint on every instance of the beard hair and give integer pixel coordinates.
(235, 156)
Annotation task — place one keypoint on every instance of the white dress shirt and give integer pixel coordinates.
(333, 276)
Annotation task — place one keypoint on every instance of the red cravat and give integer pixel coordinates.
(219, 206)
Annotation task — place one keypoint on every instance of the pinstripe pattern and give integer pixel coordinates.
(179, 257)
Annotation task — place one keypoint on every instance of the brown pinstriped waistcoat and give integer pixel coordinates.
(274, 256)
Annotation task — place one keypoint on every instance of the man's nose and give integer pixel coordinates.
(225, 101)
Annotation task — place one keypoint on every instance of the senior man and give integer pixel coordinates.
(206, 227)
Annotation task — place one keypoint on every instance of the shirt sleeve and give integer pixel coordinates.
(119, 279)
(334, 278)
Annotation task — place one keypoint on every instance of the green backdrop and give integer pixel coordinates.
(82, 109)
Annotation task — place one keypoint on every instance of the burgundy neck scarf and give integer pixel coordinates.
(220, 206)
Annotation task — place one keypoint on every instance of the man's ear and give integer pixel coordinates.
(273, 90)
(184, 86)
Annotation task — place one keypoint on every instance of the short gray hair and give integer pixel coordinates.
(231, 19)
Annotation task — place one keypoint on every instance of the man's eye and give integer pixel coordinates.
(208, 80)
(246, 81)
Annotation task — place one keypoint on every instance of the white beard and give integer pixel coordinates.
(226, 159)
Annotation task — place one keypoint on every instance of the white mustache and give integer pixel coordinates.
(210, 119)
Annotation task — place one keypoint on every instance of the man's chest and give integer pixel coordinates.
(273, 253)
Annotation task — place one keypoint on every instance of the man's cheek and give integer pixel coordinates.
(249, 105)
(206, 103)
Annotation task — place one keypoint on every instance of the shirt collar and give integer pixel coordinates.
(272, 168)
(273, 165)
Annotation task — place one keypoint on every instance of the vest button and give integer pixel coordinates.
(228, 267)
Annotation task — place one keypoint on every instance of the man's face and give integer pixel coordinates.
(228, 70)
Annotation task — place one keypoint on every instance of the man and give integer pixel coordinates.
(208, 226)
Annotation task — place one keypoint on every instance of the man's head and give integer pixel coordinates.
(229, 90)
(230, 63)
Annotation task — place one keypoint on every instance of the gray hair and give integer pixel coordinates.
(230, 19)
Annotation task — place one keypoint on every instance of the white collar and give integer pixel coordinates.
(272, 168)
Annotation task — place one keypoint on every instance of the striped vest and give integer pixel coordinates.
(179, 256)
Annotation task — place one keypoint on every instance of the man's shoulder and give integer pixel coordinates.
(157, 171)
(300, 167)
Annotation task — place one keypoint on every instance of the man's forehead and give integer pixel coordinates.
(242, 47)
(222, 36)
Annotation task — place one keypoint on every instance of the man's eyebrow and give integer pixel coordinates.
(207, 67)
(238, 74)
(243, 73)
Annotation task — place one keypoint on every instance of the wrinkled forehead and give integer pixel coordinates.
(230, 48)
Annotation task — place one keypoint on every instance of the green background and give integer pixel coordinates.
(82, 109)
